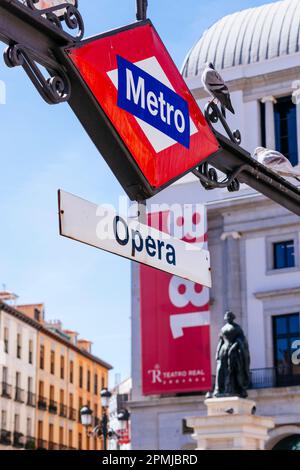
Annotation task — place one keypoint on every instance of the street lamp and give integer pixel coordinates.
(123, 417)
(102, 428)
(105, 397)
(86, 416)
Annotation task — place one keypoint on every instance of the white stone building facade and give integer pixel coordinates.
(254, 243)
(18, 340)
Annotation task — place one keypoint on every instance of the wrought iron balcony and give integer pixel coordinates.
(42, 403)
(19, 395)
(72, 414)
(18, 440)
(6, 390)
(31, 399)
(5, 437)
(53, 446)
(42, 445)
(273, 377)
(30, 443)
(63, 411)
(53, 407)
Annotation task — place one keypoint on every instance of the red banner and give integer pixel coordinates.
(175, 321)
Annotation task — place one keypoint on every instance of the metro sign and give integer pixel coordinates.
(132, 100)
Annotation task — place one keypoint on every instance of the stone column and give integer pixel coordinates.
(231, 424)
(269, 102)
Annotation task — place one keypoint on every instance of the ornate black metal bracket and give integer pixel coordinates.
(55, 89)
(209, 177)
(213, 114)
(70, 15)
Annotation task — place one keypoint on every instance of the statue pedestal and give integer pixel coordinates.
(230, 425)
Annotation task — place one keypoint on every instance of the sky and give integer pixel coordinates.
(44, 148)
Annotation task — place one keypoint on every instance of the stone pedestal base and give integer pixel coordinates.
(230, 425)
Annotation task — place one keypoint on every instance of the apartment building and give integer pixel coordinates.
(47, 375)
(18, 340)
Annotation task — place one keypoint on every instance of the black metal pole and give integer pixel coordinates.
(104, 429)
(141, 10)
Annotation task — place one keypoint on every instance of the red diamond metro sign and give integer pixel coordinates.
(134, 103)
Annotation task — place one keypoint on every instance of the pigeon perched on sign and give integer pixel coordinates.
(216, 87)
(277, 162)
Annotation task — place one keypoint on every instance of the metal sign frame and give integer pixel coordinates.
(102, 131)
(37, 37)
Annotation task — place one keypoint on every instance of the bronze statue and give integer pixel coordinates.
(233, 361)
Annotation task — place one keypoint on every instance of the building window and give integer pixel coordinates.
(286, 334)
(61, 436)
(30, 352)
(19, 346)
(263, 124)
(79, 441)
(3, 419)
(29, 427)
(88, 382)
(6, 334)
(37, 314)
(102, 383)
(17, 423)
(62, 367)
(70, 439)
(96, 384)
(52, 363)
(42, 357)
(71, 372)
(80, 376)
(286, 128)
(284, 254)
(289, 443)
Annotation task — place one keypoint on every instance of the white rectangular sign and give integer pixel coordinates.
(102, 227)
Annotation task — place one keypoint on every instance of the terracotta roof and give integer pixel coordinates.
(38, 326)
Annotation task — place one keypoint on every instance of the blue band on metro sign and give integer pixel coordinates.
(150, 100)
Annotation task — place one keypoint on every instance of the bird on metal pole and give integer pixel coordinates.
(277, 162)
(216, 87)
(141, 10)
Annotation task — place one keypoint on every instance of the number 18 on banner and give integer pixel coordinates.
(175, 321)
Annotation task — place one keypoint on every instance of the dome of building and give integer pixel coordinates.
(248, 36)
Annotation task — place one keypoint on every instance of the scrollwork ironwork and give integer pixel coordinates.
(209, 178)
(213, 114)
(55, 89)
(70, 16)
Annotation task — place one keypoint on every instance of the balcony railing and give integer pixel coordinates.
(53, 446)
(19, 395)
(272, 378)
(31, 399)
(6, 390)
(72, 414)
(53, 407)
(5, 437)
(42, 403)
(63, 447)
(18, 440)
(42, 445)
(63, 411)
(30, 443)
